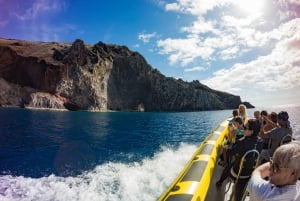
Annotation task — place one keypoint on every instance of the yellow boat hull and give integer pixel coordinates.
(193, 182)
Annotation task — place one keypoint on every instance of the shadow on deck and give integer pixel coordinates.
(216, 193)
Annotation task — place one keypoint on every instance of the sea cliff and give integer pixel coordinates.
(100, 77)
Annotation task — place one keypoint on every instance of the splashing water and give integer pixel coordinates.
(145, 180)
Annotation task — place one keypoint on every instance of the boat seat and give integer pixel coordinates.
(248, 163)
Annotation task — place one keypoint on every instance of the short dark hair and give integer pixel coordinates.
(239, 120)
(235, 112)
(254, 126)
(264, 113)
(283, 115)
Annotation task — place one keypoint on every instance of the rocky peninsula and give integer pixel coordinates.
(100, 77)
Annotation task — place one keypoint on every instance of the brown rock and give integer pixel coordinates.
(96, 77)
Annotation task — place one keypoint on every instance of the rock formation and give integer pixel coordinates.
(96, 77)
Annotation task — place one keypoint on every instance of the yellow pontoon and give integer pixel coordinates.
(196, 182)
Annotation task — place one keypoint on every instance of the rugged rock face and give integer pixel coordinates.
(96, 77)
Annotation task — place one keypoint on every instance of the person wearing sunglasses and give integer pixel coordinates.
(278, 179)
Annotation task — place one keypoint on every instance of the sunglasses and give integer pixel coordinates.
(275, 166)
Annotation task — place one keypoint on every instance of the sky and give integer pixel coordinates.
(249, 48)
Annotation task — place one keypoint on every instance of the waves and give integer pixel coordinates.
(106, 156)
(135, 181)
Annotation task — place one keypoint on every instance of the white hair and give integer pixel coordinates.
(289, 154)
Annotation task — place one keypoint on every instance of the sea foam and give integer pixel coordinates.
(137, 181)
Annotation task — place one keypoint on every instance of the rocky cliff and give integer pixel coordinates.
(96, 77)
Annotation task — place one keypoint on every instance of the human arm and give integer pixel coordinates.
(268, 132)
(269, 121)
(263, 170)
(257, 187)
(262, 133)
(231, 135)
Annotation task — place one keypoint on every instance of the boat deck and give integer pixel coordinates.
(216, 193)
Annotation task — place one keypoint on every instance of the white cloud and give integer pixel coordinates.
(213, 35)
(272, 72)
(294, 1)
(173, 7)
(289, 9)
(201, 26)
(185, 50)
(277, 71)
(196, 68)
(193, 7)
(230, 53)
(146, 37)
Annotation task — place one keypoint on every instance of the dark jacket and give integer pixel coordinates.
(240, 148)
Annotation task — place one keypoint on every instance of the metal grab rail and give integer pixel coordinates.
(286, 139)
(246, 156)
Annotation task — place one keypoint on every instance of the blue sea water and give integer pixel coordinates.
(58, 155)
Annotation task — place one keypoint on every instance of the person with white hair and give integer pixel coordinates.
(283, 173)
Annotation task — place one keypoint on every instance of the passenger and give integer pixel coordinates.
(243, 112)
(236, 131)
(283, 172)
(229, 139)
(277, 134)
(235, 113)
(236, 152)
(258, 120)
(257, 115)
(237, 128)
(271, 120)
(263, 114)
(270, 123)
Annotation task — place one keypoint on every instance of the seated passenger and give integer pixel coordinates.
(270, 123)
(236, 131)
(271, 120)
(237, 128)
(243, 113)
(283, 172)
(263, 113)
(248, 142)
(277, 133)
(256, 115)
(235, 113)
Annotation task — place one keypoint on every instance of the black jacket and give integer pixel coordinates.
(238, 150)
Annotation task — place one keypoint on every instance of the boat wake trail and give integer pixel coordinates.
(144, 180)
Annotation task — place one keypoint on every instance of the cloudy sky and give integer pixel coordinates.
(249, 48)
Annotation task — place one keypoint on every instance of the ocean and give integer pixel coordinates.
(128, 156)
